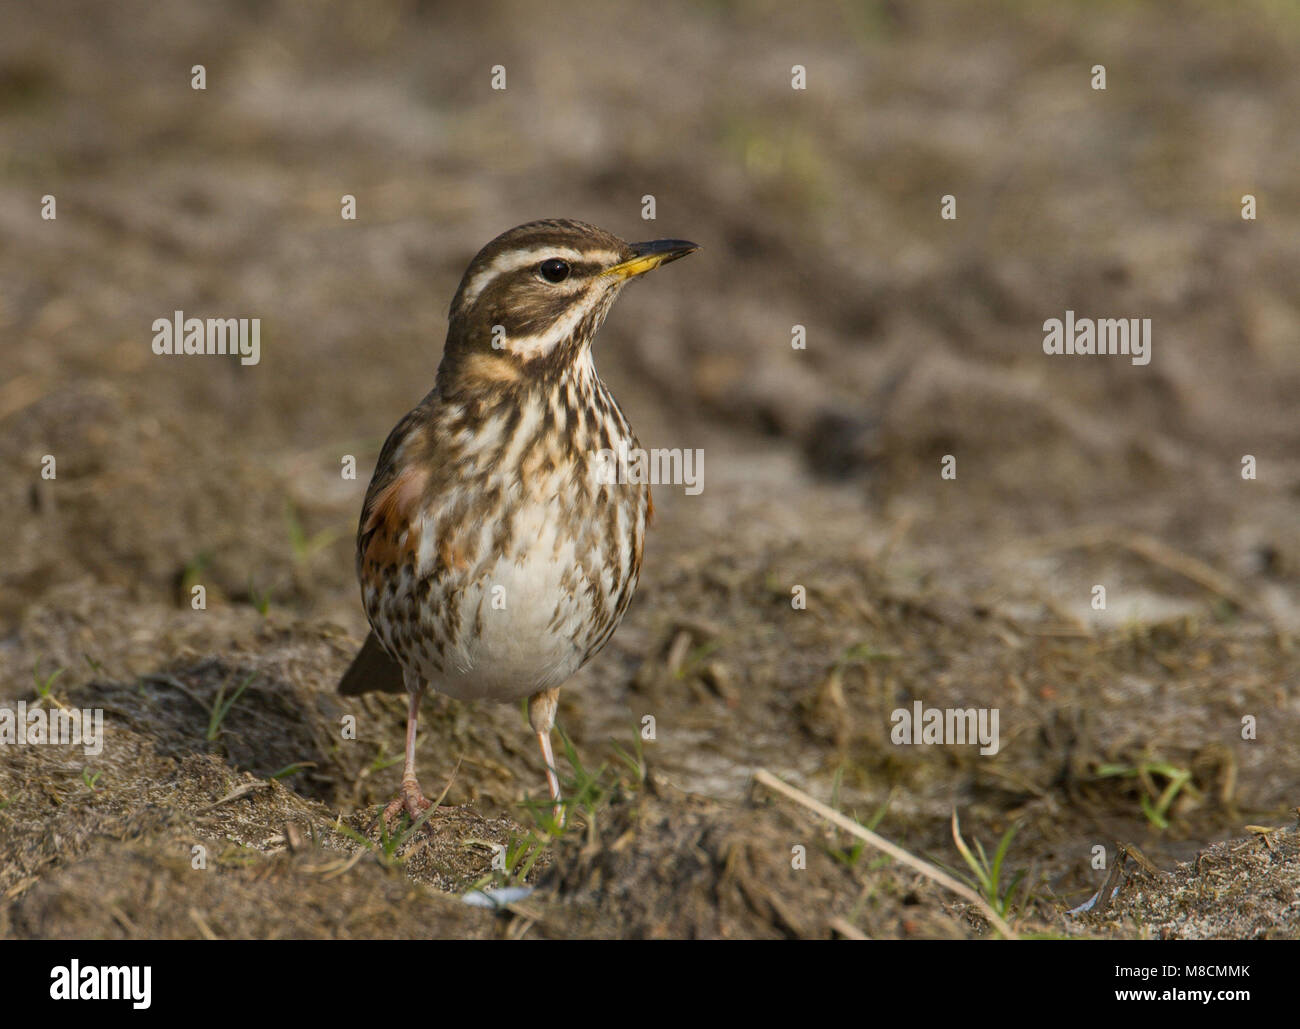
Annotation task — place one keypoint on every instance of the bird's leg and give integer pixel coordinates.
(541, 716)
(410, 798)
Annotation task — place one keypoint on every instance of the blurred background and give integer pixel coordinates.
(817, 207)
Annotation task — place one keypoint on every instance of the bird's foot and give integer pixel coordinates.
(411, 799)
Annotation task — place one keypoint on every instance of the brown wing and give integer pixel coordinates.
(392, 493)
(392, 501)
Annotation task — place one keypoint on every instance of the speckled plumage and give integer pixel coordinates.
(502, 506)
(493, 562)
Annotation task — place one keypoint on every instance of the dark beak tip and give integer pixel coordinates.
(673, 248)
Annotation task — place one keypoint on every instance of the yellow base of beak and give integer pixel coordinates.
(636, 266)
(651, 255)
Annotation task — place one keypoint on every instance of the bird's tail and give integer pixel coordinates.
(372, 669)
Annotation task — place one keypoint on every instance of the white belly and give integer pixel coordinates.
(531, 619)
(480, 613)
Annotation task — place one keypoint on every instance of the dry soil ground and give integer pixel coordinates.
(816, 207)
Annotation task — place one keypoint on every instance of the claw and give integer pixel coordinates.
(411, 799)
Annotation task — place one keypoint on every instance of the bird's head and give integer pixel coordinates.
(531, 301)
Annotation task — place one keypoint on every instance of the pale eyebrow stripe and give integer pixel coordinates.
(513, 260)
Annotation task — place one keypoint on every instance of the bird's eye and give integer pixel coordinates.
(554, 270)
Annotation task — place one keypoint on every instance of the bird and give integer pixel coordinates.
(495, 552)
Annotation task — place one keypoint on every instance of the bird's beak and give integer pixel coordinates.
(651, 255)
